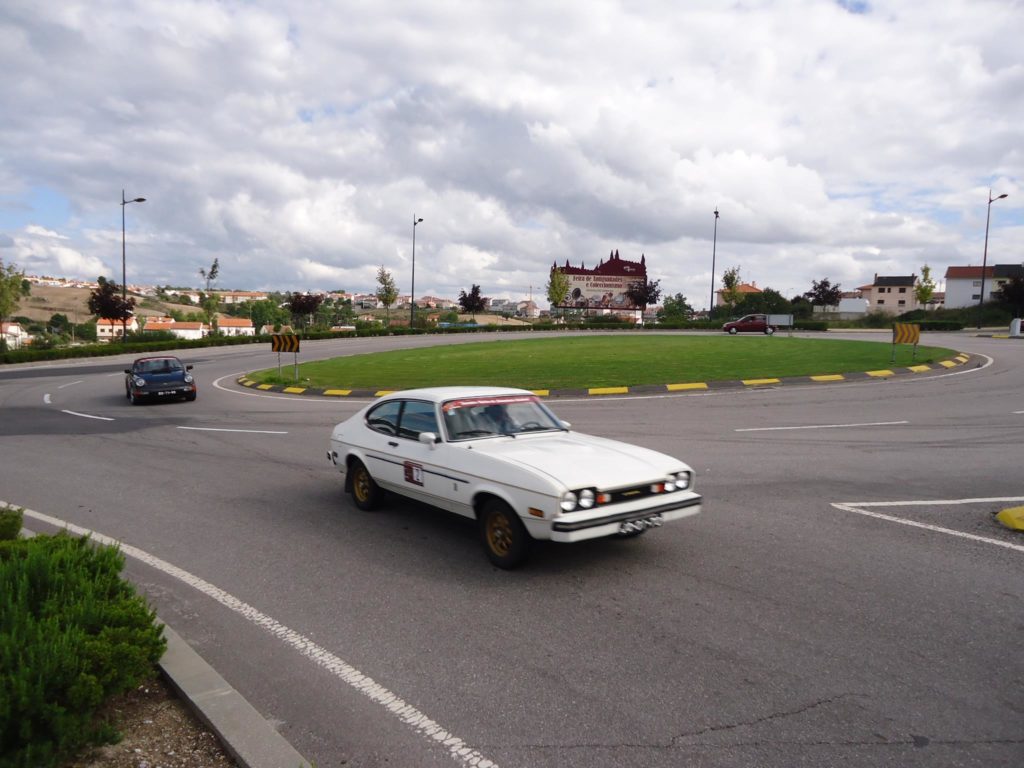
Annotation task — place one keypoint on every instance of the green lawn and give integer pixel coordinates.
(602, 361)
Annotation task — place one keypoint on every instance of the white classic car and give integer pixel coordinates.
(502, 457)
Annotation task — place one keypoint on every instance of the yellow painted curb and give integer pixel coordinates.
(265, 386)
(947, 364)
(880, 374)
(382, 392)
(682, 387)
(830, 377)
(962, 358)
(337, 392)
(757, 382)
(541, 392)
(294, 390)
(1012, 518)
(608, 391)
(919, 368)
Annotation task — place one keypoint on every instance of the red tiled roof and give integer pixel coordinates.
(967, 273)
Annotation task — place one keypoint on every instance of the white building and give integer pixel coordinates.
(14, 335)
(963, 284)
(107, 330)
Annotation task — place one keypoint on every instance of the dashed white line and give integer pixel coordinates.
(825, 426)
(70, 384)
(250, 431)
(46, 398)
(458, 750)
(860, 509)
(87, 415)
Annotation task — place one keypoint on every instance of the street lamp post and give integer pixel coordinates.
(984, 256)
(124, 284)
(714, 243)
(412, 297)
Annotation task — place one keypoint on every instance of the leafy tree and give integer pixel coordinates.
(472, 302)
(674, 309)
(387, 293)
(12, 289)
(26, 288)
(801, 307)
(644, 292)
(768, 301)
(106, 301)
(557, 287)
(209, 302)
(451, 316)
(925, 288)
(85, 331)
(303, 306)
(824, 294)
(263, 312)
(59, 323)
(210, 276)
(731, 287)
(1012, 295)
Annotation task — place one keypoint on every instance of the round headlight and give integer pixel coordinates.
(670, 483)
(568, 502)
(586, 498)
(138, 381)
(682, 480)
(188, 378)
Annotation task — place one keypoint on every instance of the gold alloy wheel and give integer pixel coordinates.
(499, 534)
(361, 484)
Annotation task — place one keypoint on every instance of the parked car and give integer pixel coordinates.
(501, 456)
(158, 378)
(750, 324)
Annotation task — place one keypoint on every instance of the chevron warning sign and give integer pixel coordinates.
(906, 333)
(284, 342)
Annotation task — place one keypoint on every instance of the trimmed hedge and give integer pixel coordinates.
(74, 634)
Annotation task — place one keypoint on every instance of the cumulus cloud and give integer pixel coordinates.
(295, 141)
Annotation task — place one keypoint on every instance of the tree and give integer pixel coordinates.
(644, 292)
(472, 302)
(925, 288)
(11, 290)
(1011, 293)
(106, 301)
(210, 276)
(303, 306)
(265, 312)
(557, 287)
(387, 293)
(768, 301)
(731, 287)
(209, 302)
(674, 309)
(824, 294)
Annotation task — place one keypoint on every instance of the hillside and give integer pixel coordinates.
(46, 301)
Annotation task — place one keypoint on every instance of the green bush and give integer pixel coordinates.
(10, 522)
(74, 634)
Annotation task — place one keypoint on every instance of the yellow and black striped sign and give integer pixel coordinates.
(284, 342)
(906, 333)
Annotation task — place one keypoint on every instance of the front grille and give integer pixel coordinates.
(632, 493)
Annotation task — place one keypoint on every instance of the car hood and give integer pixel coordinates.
(579, 461)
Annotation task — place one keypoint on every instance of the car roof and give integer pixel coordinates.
(155, 357)
(442, 394)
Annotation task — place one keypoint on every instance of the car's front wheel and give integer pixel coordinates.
(505, 538)
(732, 331)
(365, 492)
(133, 398)
(769, 331)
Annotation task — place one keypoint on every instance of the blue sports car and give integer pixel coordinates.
(160, 378)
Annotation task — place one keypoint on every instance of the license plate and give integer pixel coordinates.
(632, 526)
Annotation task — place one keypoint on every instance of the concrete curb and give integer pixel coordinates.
(243, 732)
(644, 389)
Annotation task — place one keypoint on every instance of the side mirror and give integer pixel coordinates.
(128, 370)
(565, 425)
(188, 367)
(429, 438)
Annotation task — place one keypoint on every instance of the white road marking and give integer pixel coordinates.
(458, 750)
(1018, 411)
(70, 384)
(46, 398)
(251, 431)
(824, 426)
(860, 509)
(87, 415)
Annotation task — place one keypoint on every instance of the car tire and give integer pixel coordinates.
(133, 398)
(506, 540)
(190, 398)
(365, 492)
(769, 331)
(732, 331)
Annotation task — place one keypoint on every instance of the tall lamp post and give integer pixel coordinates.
(124, 284)
(714, 243)
(412, 298)
(984, 256)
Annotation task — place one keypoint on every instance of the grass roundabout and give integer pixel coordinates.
(576, 362)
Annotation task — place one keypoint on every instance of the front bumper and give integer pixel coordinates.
(597, 523)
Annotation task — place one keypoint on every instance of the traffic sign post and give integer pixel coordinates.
(285, 342)
(905, 333)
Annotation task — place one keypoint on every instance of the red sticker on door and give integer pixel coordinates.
(413, 473)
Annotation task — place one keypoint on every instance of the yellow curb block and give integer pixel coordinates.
(382, 392)
(337, 392)
(880, 374)
(947, 364)
(962, 358)
(683, 387)
(1012, 518)
(608, 391)
(294, 390)
(265, 386)
(758, 382)
(541, 392)
(830, 377)
(919, 368)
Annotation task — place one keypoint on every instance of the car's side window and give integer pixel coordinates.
(384, 418)
(417, 417)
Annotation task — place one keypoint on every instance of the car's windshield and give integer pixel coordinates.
(470, 418)
(159, 366)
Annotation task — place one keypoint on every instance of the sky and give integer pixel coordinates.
(295, 142)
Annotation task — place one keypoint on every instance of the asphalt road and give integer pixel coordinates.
(798, 621)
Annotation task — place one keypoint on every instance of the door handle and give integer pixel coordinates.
(392, 443)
